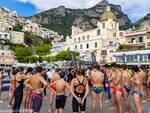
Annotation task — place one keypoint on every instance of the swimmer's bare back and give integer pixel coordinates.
(36, 83)
(97, 78)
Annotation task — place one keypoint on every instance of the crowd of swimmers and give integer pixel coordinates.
(113, 83)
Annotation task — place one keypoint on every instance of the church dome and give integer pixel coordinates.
(108, 14)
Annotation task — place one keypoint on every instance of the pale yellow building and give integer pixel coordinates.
(17, 37)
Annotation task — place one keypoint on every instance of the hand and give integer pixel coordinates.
(79, 100)
(82, 101)
(41, 90)
(67, 95)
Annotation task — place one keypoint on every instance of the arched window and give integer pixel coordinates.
(76, 46)
(98, 32)
(95, 45)
(80, 46)
(83, 38)
(87, 45)
(104, 25)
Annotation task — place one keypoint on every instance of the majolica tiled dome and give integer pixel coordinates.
(108, 14)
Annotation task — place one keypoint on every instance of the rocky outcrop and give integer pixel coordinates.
(61, 19)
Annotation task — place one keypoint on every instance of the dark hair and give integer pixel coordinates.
(39, 69)
(124, 66)
(14, 72)
(62, 74)
(1, 69)
(135, 69)
(95, 67)
(79, 72)
(19, 69)
(30, 69)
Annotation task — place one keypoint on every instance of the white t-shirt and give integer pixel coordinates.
(49, 74)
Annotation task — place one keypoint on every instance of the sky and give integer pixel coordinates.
(135, 9)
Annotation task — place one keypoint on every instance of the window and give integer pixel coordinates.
(104, 52)
(114, 34)
(111, 51)
(0, 35)
(121, 33)
(76, 47)
(78, 38)
(83, 38)
(6, 35)
(95, 44)
(87, 45)
(75, 39)
(111, 43)
(104, 25)
(88, 37)
(98, 32)
(132, 40)
(80, 46)
(140, 39)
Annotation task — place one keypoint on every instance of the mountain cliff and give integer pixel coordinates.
(61, 19)
(142, 20)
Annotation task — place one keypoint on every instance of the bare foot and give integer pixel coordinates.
(112, 108)
(49, 110)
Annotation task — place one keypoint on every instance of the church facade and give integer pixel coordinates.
(102, 41)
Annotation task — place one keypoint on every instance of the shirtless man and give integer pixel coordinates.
(28, 91)
(143, 78)
(1, 77)
(118, 89)
(111, 77)
(137, 93)
(60, 85)
(97, 79)
(126, 86)
(37, 83)
(148, 84)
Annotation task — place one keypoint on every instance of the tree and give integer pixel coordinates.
(65, 55)
(33, 59)
(43, 49)
(31, 39)
(18, 28)
(22, 54)
(50, 58)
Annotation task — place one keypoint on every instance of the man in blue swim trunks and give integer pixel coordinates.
(126, 86)
(97, 79)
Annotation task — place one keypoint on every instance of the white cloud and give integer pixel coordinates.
(134, 8)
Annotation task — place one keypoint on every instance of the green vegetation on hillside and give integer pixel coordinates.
(63, 55)
(18, 28)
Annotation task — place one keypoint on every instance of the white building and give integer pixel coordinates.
(38, 30)
(4, 35)
(102, 40)
(31, 27)
(17, 37)
(57, 48)
(45, 33)
(139, 57)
